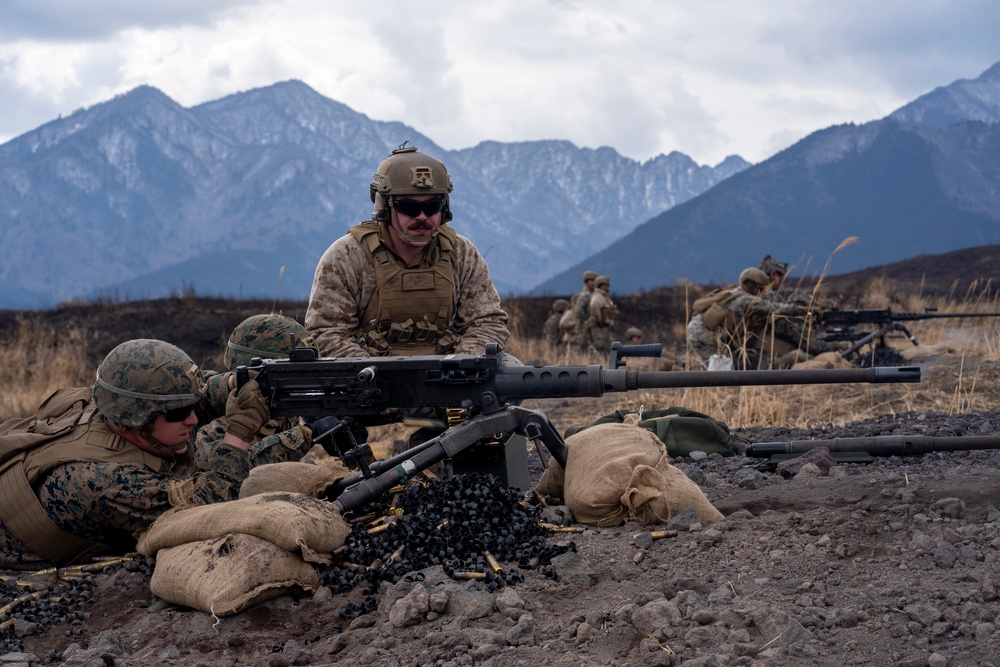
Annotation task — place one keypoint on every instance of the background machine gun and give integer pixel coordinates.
(840, 325)
(488, 391)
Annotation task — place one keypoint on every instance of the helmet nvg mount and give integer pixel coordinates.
(409, 172)
(141, 378)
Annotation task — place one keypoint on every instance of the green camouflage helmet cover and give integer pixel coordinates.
(633, 331)
(559, 305)
(141, 378)
(770, 265)
(267, 336)
(409, 172)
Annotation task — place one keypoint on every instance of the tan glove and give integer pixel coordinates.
(246, 411)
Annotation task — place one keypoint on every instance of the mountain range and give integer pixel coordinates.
(924, 180)
(140, 197)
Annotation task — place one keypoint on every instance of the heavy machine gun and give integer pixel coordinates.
(840, 325)
(487, 390)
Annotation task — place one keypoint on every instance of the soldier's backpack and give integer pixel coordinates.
(59, 414)
(568, 320)
(682, 430)
(711, 306)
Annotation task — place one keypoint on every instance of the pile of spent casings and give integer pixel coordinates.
(469, 524)
(31, 602)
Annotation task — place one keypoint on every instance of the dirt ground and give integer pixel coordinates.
(892, 562)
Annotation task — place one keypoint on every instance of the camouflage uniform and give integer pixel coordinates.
(108, 498)
(743, 332)
(367, 300)
(602, 314)
(703, 342)
(267, 336)
(550, 330)
(581, 309)
(345, 283)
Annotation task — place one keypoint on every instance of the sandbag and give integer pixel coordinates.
(822, 361)
(225, 575)
(293, 521)
(616, 472)
(294, 476)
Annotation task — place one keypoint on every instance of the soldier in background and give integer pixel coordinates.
(633, 336)
(737, 322)
(775, 270)
(404, 282)
(602, 314)
(550, 330)
(580, 303)
(271, 336)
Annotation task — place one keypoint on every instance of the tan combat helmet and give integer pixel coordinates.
(409, 172)
(753, 279)
(602, 280)
(633, 331)
(589, 275)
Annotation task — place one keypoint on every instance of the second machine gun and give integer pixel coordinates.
(840, 325)
(488, 392)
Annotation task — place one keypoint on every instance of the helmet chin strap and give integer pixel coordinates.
(157, 447)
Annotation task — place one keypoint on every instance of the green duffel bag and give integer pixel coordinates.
(683, 431)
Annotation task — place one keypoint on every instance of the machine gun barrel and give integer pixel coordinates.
(311, 387)
(841, 318)
(654, 380)
(880, 445)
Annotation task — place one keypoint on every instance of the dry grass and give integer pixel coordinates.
(966, 380)
(36, 359)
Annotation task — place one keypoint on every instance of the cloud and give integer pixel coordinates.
(80, 20)
(642, 76)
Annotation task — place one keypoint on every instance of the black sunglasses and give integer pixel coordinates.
(178, 414)
(412, 208)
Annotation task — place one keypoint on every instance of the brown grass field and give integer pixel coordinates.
(43, 350)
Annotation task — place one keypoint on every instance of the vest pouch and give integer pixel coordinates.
(447, 343)
(714, 316)
(426, 332)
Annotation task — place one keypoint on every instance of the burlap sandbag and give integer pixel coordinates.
(823, 360)
(616, 472)
(308, 478)
(225, 575)
(552, 481)
(292, 521)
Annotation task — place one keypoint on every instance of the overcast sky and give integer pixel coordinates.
(709, 79)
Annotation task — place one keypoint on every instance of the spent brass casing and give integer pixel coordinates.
(492, 562)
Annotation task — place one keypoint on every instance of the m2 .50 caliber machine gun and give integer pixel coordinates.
(487, 390)
(840, 325)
